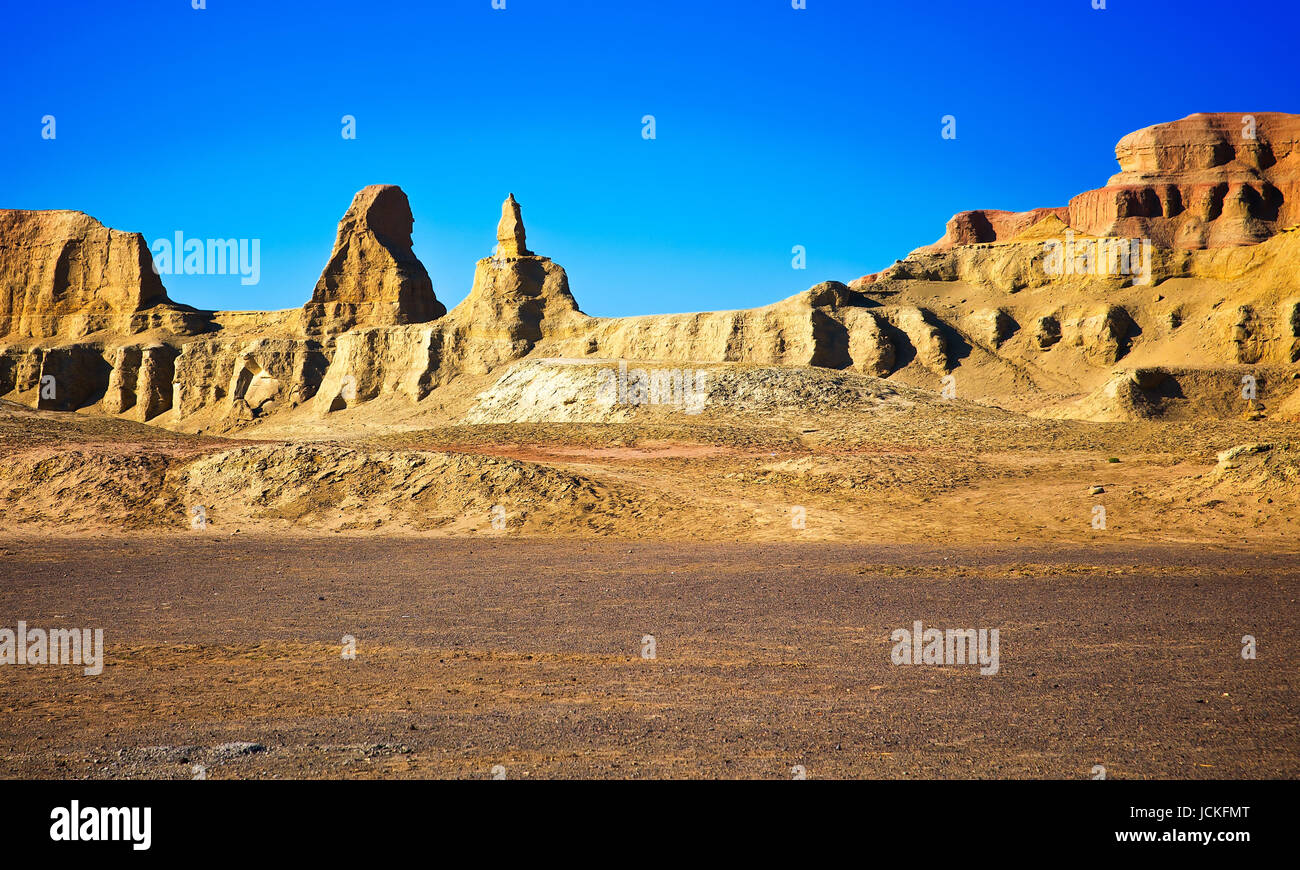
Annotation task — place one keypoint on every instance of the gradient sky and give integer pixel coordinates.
(775, 127)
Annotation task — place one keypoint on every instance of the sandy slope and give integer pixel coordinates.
(909, 468)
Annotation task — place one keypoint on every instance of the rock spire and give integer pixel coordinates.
(510, 231)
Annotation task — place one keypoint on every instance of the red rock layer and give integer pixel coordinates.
(1207, 181)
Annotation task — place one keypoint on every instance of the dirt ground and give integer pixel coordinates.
(770, 560)
(959, 473)
(527, 653)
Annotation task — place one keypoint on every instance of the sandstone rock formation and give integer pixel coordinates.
(88, 325)
(516, 301)
(63, 273)
(510, 231)
(989, 225)
(223, 382)
(140, 381)
(373, 277)
(516, 298)
(1207, 181)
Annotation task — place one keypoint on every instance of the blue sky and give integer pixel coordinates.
(775, 127)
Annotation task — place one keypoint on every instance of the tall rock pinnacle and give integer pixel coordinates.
(518, 298)
(510, 232)
(373, 278)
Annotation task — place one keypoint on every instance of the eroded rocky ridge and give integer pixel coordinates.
(1206, 181)
(86, 314)
(990, 225)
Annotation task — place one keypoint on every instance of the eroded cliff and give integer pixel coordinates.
(1211, 296)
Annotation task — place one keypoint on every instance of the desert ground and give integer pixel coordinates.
(523, 647)
(526, 653)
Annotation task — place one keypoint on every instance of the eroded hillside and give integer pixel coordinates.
(937, 391)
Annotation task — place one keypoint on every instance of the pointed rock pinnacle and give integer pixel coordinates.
(510, 232)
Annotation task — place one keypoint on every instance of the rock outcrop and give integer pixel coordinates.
(373, 277)
(510, 231)
(517, 299)
(140, 381)
(1207, 181)
(989, 225)
(63, 273)
(89, 327)
(225, 382)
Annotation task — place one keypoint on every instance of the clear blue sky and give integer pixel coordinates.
(775, 127)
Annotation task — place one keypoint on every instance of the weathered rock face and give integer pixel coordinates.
(517, 299)
(510, 231)
(824, 326)
(373, 277)
(71, 376)
(132, 380)
(980, 305)
(1010, 268)
(512, 298)
(63, 273)
(870, 347)
(140, 382)
(221, 383)
(1207, 181)
(398, 360)
(989, 225)
(994, 327)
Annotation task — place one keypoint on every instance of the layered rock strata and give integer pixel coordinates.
(88, 326)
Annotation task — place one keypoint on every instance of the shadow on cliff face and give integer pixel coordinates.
(904, 350)
(955, 342)
(1129, 332)
(532, 303)
(830, 342)
(1265, 205)
(80, 378)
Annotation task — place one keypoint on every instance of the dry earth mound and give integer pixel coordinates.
(317, 487)
(600, 391)
(1259, 468)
